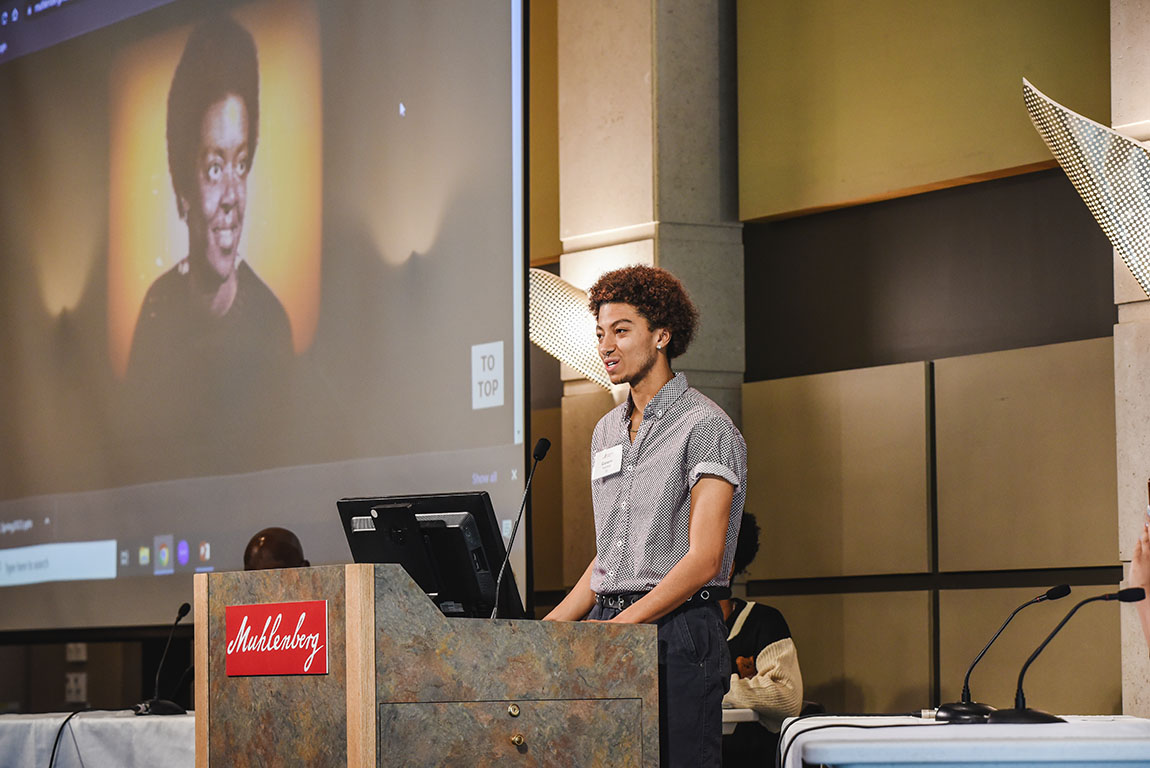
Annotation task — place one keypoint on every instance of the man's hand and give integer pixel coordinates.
(578, 602)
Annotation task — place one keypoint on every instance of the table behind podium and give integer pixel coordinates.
(895, 741)
(408, 686)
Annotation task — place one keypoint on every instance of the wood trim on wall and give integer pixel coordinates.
(360, 624)
(200, 652)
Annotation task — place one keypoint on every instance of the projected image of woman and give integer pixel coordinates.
(211, 312)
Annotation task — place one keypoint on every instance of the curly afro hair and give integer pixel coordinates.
(658, 296)
(748, 544)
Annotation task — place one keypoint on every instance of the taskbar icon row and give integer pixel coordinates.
(166, 555)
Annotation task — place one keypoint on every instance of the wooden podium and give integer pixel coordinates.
(408, 686)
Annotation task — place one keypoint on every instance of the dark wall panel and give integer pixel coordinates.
(1003, 264)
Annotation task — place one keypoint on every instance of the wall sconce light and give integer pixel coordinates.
(560, 324)
(1111, 173)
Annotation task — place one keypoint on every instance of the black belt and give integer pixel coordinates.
(623, 600)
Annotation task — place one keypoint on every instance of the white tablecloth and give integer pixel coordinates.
(1082, 741)
(734, 716)
(123, 740)
(98, 740)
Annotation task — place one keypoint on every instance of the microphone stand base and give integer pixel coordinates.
(964, 712)
(1023, 716)
(160, 707)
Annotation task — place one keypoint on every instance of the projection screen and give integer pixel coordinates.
(254, 257)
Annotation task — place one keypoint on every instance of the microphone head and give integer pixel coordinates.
(184, 609)
(1056, 593)
(541, 449)
(1131, 595)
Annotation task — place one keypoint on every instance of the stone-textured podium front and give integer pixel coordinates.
(408, 686)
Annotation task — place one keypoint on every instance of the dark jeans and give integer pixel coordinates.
(694, 673)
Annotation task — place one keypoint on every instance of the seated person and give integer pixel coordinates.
(1140, 577)
(764, 665)
(274, 548)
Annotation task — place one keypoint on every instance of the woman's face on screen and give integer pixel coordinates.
(216, 219)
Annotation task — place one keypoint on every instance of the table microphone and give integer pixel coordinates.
(1023, 714)
(156, 705)
(540, 451)
(967, 711)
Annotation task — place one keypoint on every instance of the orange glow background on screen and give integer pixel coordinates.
(283, 222)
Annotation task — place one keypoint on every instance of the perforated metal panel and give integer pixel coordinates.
(1110, 171)
(561, 324)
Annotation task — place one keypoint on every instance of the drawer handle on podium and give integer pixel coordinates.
(513, 710)
(518, 740)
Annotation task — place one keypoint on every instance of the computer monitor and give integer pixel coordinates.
(448, 542)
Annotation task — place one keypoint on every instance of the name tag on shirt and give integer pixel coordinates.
(607, 462)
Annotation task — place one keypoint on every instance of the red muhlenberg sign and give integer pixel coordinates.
(277, 638)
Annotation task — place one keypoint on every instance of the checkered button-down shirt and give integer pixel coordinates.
(642, 511)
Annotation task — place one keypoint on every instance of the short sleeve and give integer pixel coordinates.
(715, 447)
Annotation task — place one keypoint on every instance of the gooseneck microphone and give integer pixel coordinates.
(540, 451)
(156, 705)
(967, 711)
(1023, 714)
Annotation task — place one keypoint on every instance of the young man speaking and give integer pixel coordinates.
(668, 481)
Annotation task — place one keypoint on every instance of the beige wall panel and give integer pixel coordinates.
(580, 414)
(838, 472)
(583, 268)
(1026, 460)
(1132, 412)
(547, 501)
(1129, 65)
(1078, 673)
(842, 101)
(695, 97)
(867, 652)
(543, 132)
(1129, 75)
(606, 115)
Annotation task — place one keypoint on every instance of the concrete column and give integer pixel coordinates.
(1130, 113)
(647, 175)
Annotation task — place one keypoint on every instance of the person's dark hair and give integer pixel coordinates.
(658, 296)
(274, 548)
(219, 60)
(748, 544)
